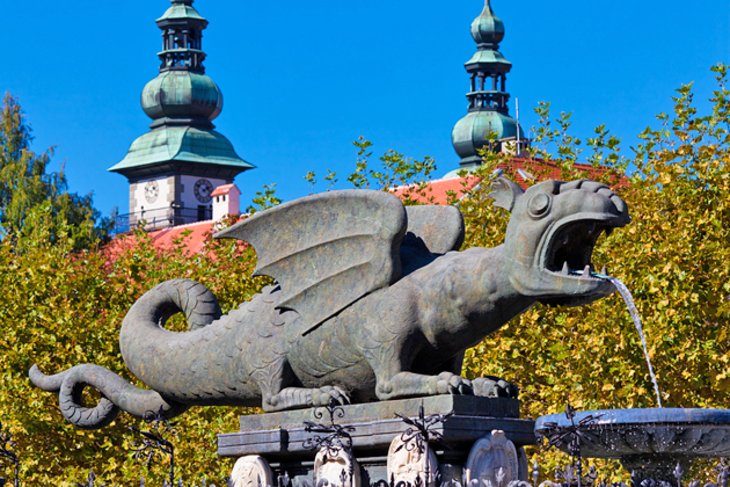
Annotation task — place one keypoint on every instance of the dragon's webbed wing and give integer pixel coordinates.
(327, 250)
(432, 231)
(440, 227)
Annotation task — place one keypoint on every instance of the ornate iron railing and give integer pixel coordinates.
(155, 446)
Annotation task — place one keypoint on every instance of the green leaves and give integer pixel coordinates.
(31, 199)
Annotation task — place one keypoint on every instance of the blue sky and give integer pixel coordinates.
(302, 80)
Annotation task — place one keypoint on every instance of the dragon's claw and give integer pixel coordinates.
(494, 387)
(324, 396)
(450, 383)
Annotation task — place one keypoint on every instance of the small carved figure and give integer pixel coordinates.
(409, 464)
(372, 302)
(252, 471)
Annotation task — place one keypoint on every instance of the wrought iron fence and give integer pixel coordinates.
(154, 446)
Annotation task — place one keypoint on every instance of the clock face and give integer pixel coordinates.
(202, 190)
(151, 191)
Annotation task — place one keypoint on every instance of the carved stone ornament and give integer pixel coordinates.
(337, 467)
(493, 456)
(252, 471)
(406, 462)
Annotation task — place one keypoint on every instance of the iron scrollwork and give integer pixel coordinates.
(332, 436)
(572, 436)
(155, 443)
(420, 431)
(8, 455)
(417, 436)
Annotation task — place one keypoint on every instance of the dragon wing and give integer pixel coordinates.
(440, 227)
(327, 250)
(432, 231)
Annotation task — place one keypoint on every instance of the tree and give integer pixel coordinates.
(28, 192)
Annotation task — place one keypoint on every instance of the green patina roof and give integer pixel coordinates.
(476, 130)
(181, 144)
(181, 11)
(182, 93)
(488, 56)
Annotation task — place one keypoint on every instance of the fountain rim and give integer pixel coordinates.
(640, 416)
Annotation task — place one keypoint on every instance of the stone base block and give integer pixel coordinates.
(282, 440)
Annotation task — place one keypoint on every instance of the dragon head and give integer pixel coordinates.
(551, 235)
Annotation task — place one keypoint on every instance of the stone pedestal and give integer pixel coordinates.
(282, 441)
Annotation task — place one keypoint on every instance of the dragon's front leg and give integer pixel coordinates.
(393, 382)
(302, 397)
(409, 384)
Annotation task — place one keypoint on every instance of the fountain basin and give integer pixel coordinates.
(649, 442)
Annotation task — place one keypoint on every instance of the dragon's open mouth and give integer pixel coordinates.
(570, 247)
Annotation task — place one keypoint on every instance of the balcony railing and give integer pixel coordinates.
(160, 218)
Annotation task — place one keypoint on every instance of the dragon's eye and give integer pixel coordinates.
(539, 205)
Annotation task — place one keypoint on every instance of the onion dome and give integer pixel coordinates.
(480, 129)
(182, 94)
(488, 122)
(487, 28)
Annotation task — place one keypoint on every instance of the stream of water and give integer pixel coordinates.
(629, 299)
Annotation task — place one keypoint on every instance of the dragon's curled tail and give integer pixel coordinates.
(116, 393)
(189, 297)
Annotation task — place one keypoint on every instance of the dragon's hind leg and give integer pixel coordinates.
(273, 381)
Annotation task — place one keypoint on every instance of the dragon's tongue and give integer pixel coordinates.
(599, 275)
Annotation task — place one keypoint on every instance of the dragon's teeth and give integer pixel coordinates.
(566, 269)
(604, 271)
(587, 270)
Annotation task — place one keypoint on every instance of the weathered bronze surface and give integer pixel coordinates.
(371, 303)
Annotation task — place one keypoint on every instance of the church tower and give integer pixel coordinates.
(173, 168)
(488, 122)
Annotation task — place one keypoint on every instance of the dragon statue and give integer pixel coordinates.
(372, 301)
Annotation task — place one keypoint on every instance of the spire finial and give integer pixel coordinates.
(487, 29)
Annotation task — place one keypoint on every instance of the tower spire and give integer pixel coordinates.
(182, 157)
(182, 38)
(488, 109)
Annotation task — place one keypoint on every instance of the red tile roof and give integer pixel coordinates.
(223, 189)
(444, 191)
(192, 238)
(440, 191)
